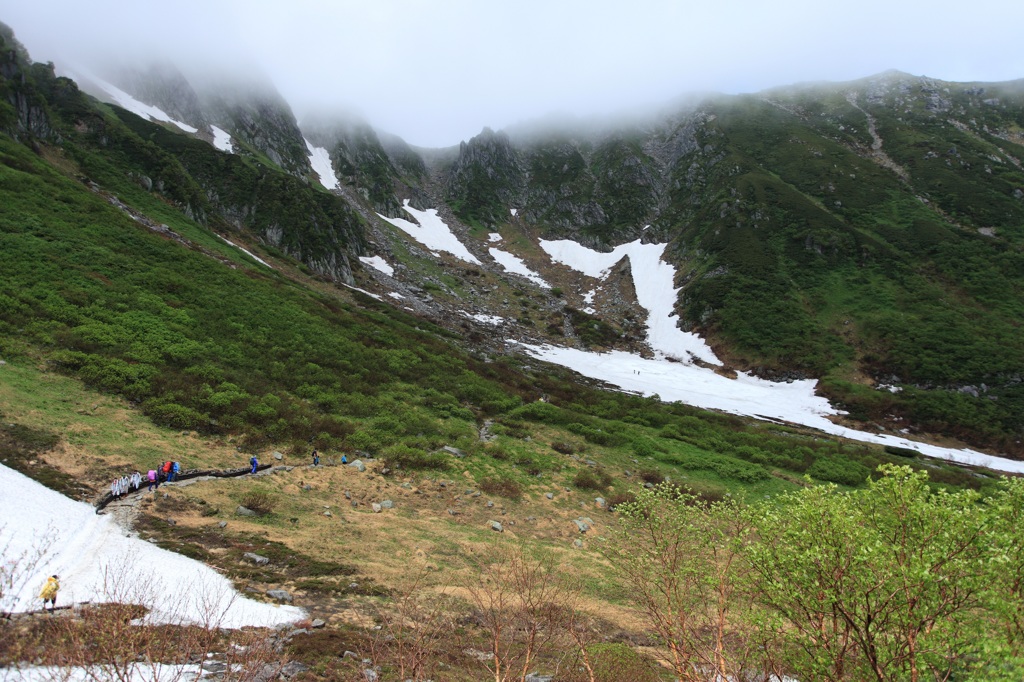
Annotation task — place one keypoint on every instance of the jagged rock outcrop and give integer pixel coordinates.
(487, 179)
(258, 117)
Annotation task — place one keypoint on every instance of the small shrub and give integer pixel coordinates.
(615, 499)
(502, 487)
(900, 452)
(839, 470)
(592, 479)
(529, 466)
(498, 452)
(399, 457)
(259, 501)
(652, 476)
(563, 447)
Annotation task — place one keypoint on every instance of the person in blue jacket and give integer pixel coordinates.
(254, 463)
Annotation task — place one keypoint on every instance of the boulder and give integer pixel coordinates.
(279, 595)
(244, 511)
(358, 465)
(387, 504)
(256, 558)
(454, 451)
(583, 526)
(278, 456)
(497, 527)
(375, 507)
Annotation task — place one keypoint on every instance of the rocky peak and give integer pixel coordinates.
(257, 115)
(487, 178)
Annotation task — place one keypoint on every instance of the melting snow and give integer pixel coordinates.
(250, 254)
(494, 237)
(692, 384)
(378, 263)
(515, 265)
(588, 299)
(486, 319)
(514, 212)
(395, 294)
(83, 548)
(126, 101)
(320, 160)
(653, 279)
(222, 140)
(432, 232)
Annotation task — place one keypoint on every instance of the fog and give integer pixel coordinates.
(436, 72)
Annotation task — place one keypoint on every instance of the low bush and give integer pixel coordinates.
(592, 479)
(529, 466)
(615, 499)
(652, 476)
(502, 487)
(398, 457)
(259, 501)
(563, 447)
(839, 470)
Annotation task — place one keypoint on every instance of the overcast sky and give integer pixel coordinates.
(437, 71)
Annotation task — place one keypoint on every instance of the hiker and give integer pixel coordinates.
(344, 458)
(49, 592)
(167, 471)
(175, 471)
(154, 481)
(253, 462)
(136, 480)
(316, 458)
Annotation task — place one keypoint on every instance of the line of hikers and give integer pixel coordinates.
(126, 484)
(165, 473)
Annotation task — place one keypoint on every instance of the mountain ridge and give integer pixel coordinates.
(783, 213)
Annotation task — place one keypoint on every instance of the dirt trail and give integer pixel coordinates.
(877, 155)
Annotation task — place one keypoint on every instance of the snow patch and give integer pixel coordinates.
(250, 254)
(514, 212)
(84, 548)
(692, 384)
(654, 281)
(222, 140)
(147, 111)
(517, 266)
(320, 160)
(395, 294)
(378, 263)
(746, 395)
(494, 237)
(432, 232)
(487, 319)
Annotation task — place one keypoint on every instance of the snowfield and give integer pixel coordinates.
(222, 140)
(98, 562)
(654, 280)
(432, 232)
(517, 266)
(672, 376)
(126, 101)
(378, 263)
(320, 160)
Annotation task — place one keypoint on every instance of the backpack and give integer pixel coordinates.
(167, 467)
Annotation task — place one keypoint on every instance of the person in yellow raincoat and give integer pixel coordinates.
(49, 592)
